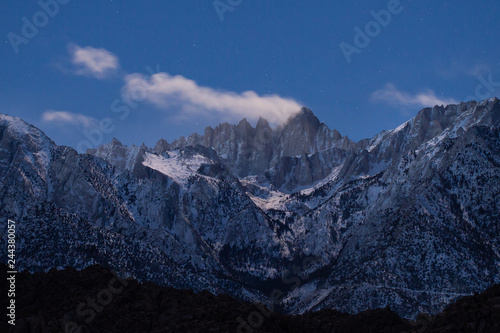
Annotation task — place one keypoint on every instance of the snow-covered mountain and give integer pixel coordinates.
(408, 219)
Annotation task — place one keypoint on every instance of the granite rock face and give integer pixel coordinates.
(407, 219)
(253, 151)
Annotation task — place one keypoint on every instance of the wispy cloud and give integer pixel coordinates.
(391, 95)
(478, 70)
(453, 69)
(68, 118)
(89, 61)
(179, 93)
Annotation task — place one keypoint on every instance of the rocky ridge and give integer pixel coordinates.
(407, 219)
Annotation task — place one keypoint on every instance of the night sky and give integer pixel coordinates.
(87, 71)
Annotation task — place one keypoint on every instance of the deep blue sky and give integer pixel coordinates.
(430, 52)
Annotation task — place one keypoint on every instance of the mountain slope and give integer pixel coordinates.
(409, 218)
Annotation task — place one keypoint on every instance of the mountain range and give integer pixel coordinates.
(408, 219)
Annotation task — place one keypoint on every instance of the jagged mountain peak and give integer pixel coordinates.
(245, 126)
(161, 146)
(17, 123)
(406, 220)
(19, 128)
(306, 112)
(305, 118)
(244, 122)
(22, 141)
(253, 151)
(283, 153)
(261, 123)
(116, 143)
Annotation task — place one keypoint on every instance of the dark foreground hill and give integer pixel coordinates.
(96, 300)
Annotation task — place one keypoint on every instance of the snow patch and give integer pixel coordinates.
(175, 165)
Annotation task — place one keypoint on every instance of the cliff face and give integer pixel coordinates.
(253, 151)
(408, 219)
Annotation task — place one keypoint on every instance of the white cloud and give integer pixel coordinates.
(90, 61)
(391, 95)
(68, 118)
(177, 92)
